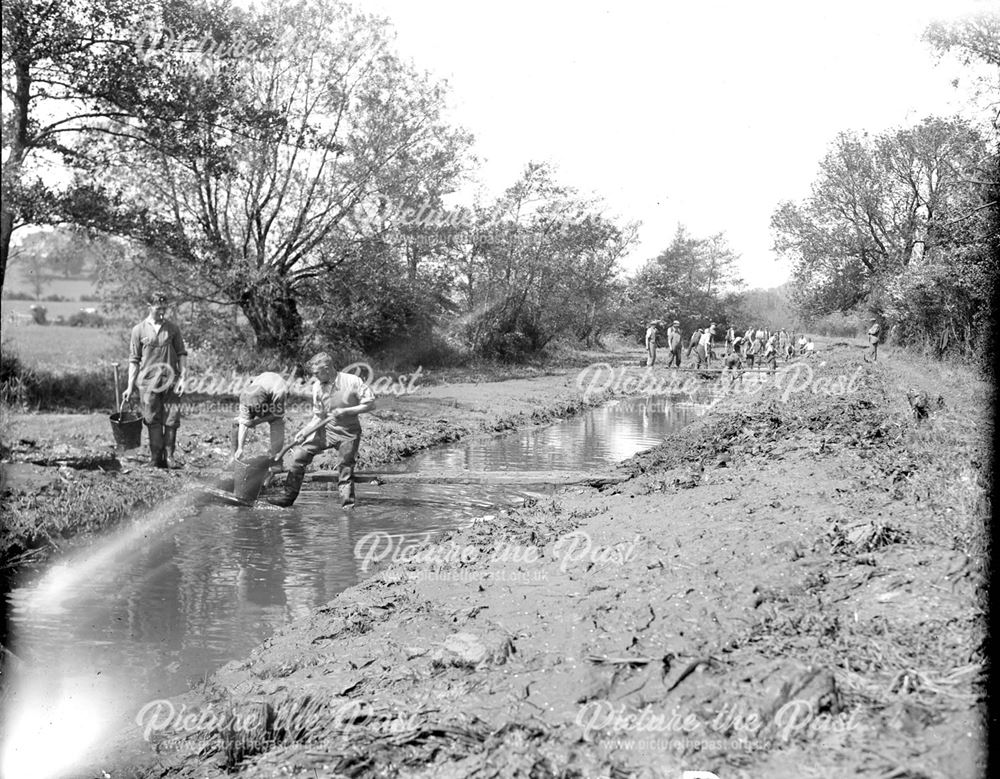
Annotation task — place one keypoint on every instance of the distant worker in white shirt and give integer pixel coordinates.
(651, 334)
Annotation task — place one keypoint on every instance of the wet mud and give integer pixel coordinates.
(791, 586)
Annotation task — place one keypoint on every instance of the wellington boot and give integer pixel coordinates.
(293, 483)
(157, 453)
(170, 446)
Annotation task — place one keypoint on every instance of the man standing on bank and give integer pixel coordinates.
(651, 334)
(338, 399)
(158, 356)
(873, 335)
(674, 345)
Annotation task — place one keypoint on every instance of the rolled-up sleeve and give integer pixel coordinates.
(319, 403)
(135, 346)
(179, 348)
(364, 392)
(243, 416)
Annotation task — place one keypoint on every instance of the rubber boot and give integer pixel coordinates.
(170, 446)
(157, 456)
(293, 483)
(345, 488)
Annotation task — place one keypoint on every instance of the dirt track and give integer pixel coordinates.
(786, 588)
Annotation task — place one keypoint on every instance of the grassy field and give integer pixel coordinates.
(16, 310)
(59, 349)
(72, 288)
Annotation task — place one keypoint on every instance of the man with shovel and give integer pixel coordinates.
(156, 366)
(338, 400)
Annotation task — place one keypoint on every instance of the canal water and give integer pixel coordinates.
(157, 606)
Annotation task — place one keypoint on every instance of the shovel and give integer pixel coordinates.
(115, 366)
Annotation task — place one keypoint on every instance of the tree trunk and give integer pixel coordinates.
(275, 318)
(18, 145)
(6, 230)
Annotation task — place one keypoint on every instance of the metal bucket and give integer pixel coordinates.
(126, 427)
(249, 477)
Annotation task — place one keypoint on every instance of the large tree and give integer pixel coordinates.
(73, 67)
(247, 198)
(540, 261)
(879, 205)
(693, 280)
(907, 223)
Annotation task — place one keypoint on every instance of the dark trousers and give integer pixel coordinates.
(330, 437)
(161, 413)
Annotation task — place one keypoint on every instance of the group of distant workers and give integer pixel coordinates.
(158, 357)
(755, 346)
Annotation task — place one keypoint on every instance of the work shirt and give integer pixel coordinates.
(873, 332)
(673, 338)
(651, 334)
(346, 389)
(706, 339)
(264, 397)
(156, 345)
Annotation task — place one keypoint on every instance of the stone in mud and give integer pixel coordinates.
(801, 702)
(466, 647)
(910, 718)
(469, 650)
(789, 550)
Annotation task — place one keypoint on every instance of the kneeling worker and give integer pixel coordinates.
(263, 400)
(338, 399)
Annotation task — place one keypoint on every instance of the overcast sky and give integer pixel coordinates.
(706, 113)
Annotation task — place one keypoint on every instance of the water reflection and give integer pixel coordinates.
(162, 603)
(591, 441)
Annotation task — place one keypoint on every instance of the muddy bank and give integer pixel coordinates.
(794, 580)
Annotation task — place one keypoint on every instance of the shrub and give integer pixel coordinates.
(9, 295)
(15, 379)
(382, 307)
(434, 350)
(42, 390)
(85, 319)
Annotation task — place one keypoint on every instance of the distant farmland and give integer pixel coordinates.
(61, 348)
